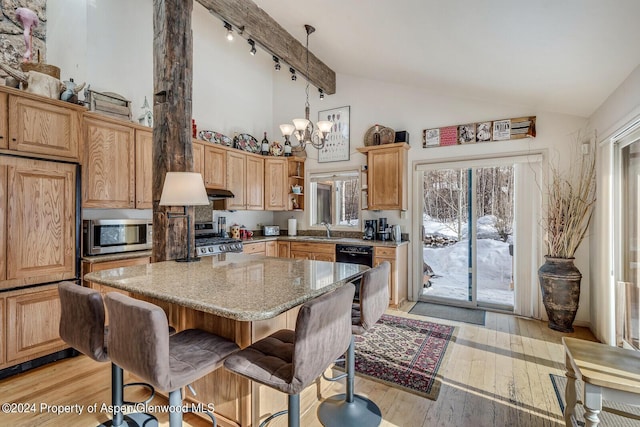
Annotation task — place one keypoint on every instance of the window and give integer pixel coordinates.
(335, 199)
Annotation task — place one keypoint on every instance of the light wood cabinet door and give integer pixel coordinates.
(284, 249)
(198, 159)
(41, 219)
(109, 168)
(324, 257)
(300, 255)
(3, 223)
(42, 128)
(144, 169)
(236, 180)
(271, 248)
(32, 324)
(254, 248)
(4, 120)
(393, 299)
(215, 167)
(276, 186)
(255, 184)
(387, 176)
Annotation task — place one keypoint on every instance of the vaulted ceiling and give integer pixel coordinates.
(563, 56)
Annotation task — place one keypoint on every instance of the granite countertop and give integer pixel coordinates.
(115, 257)
(235, 286)
(323, 239)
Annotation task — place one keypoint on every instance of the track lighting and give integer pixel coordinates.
(229, 31)
(253, 47)
(277, 63)
(321, 94)
(293, 74)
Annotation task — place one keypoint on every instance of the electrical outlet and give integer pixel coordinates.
(584, 148)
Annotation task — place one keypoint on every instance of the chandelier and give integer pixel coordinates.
(303, 129)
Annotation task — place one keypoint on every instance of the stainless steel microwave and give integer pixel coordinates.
(108, 236)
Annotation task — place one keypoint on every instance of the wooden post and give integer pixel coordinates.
(172, 145)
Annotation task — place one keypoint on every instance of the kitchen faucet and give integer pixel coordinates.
(328, 228)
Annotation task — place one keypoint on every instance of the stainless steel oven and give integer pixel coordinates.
(107, 236)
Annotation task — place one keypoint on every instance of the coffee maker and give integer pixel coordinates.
(370, 229)
(383, 232)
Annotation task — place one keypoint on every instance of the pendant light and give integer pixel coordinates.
(303, 129)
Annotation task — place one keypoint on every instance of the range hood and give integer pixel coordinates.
(215, 194)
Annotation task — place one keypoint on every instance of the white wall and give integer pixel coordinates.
(620, 108)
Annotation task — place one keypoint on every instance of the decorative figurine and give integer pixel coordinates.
(70, 93)
(146, 118)
(29, 20)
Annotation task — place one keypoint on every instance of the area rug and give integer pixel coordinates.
(458, 314)
(608, 416)
(404, 353)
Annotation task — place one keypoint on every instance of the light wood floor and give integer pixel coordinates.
(496, 375)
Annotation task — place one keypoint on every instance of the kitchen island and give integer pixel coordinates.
(241, 297)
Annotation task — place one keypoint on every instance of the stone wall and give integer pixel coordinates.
(11, 38)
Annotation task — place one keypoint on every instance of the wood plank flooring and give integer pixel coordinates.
(496, 375)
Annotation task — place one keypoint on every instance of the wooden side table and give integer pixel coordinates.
(609, 373)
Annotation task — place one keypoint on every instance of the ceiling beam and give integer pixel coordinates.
(265, 31)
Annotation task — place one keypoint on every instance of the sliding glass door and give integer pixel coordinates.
(479, 228)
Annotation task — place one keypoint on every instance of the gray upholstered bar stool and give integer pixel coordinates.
(291, 360)
(350, 409)
(167, 362)
(82, 327)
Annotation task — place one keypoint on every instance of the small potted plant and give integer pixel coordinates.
(571, 197)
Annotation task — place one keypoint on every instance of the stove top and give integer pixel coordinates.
(210, 243)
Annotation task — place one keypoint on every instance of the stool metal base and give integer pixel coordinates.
(337, 412)
(137, 419)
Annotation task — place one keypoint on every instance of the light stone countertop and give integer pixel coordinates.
(235, 286)
(115, 257)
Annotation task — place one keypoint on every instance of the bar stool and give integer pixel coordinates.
(288, 360)
(344, 410)
(82, 327)
(167, 362)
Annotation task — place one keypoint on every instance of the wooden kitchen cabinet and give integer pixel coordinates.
(271, 248)
(211, 162)
(144, 169)
(3, 336)
(245, 175)
(40, 125)
(256, 248)
(118, 164)
(387, 176)
(38, 221)
(255, 183)
(284, 249)
(313, 251)
(215, 167)
(397, 257)
(108, 175)
(236, 180)
(33, 318)
(276, 184)
(4, 120)
(198, 158)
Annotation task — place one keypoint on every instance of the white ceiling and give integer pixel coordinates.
(563, 56)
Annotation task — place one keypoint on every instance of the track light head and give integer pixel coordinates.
(277, 63)
(294, 77)
(253, 47)
(229, 31)
(321, 94)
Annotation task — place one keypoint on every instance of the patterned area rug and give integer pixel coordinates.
(608, 417)
(404, 353)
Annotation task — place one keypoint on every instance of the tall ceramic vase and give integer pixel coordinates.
(560, 284)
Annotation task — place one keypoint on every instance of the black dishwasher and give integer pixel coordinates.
(355, 254)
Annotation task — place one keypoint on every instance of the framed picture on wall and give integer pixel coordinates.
(336, 147)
